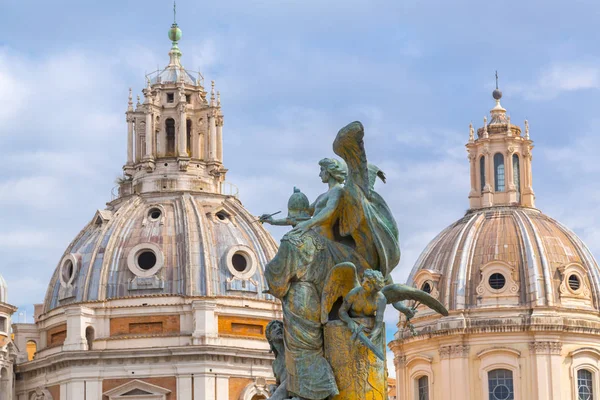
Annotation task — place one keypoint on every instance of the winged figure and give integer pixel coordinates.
(368, 298)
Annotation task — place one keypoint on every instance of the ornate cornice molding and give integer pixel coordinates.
(545, 347)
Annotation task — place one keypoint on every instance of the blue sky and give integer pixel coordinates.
(291, 73)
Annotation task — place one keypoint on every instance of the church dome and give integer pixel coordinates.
(508, 256)
(190, 244)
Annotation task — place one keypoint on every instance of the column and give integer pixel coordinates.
(181, 133)
(212, 137)
(527, 196)
(63, 392)
(474, 196)
(184, 387)
(205, 329)
(487, 197)
(204, 387)
(93, 390)
(75, 390)
(509, 177)
(220, 138)
(547, 368)
(222, 387)
(149, 136)
(129, 139)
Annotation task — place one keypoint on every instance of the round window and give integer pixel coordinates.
(497, 281)
(574, 282)
(146, 260)
(221, 215)
(241, 261)
(154, 214)
(426, 287)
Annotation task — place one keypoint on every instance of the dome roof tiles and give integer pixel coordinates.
(194, 245)
(535, 245)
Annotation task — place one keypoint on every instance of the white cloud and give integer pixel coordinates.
(559, 78)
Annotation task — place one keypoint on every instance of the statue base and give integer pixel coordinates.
(359, 373)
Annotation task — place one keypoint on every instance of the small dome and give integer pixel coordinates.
(508, 256)
(3, 290)
(193, 244)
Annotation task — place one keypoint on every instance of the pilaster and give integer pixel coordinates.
(205, 322)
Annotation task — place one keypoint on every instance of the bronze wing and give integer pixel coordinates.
(397, 292)
(339, 282)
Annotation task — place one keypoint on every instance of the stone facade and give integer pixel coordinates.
(522, 290)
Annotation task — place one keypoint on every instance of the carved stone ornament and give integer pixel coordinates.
(506, 293)
(486, 150)
(545, 347)
(454, 351)
(574, 289)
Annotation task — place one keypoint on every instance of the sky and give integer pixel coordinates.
(291, 73)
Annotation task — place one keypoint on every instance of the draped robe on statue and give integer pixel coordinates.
(363, 232)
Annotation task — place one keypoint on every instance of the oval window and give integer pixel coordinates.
(426, 287)
(574, 282)
(239, 261)
(154, 214)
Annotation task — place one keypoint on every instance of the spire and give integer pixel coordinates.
(130, 103)
(212, 93)
(471, 133)
(498, 112)
(174, 36)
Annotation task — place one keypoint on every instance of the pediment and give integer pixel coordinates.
(135, 389)
(102, 216)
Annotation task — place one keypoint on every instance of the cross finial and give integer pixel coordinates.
(174, 12)
(496, 79)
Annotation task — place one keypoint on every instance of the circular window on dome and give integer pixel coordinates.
(426, 287)
(68, 269)
(574, 282)
(154, 214)
(497, 281)
(241, 261)
(145, 259)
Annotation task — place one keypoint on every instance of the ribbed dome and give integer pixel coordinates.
(186, 244)
(503, 256)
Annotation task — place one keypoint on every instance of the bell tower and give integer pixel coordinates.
(500, 161)
(175, 137)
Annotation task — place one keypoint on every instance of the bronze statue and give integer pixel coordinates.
(347, 234)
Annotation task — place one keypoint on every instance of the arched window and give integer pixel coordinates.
(31, 348)
(188, 137)
(585, 389)
(516, 175)
(499, 172)
(423, 388)
(500, 384)
(482, 171)
(170, 129)
(90, 335)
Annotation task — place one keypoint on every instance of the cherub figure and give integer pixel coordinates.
(369, 299)
(365, 300)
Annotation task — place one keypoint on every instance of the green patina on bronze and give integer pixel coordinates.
(346, 236)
